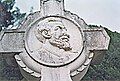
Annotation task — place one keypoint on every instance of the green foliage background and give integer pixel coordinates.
(9, 14)
(109, 68)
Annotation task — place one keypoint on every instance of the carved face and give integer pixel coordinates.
(60, 38)
(49, 40)
(56, 33)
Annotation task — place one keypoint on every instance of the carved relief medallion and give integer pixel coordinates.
(54, 41)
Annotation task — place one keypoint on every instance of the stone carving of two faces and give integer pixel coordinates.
(55, 33)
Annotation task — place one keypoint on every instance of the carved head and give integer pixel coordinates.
(55, 33)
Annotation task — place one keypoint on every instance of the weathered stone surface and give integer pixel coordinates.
(12, 40)
(53, 44)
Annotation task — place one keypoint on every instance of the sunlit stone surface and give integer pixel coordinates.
(54, 44)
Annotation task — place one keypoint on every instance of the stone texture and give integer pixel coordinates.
(67, 59)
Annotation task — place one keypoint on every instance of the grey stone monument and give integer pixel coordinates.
(53, 44)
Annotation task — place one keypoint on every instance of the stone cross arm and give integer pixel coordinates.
(96, 40)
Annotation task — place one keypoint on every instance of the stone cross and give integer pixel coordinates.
(54, 44)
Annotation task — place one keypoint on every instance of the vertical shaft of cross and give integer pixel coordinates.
(55, 74)
(52, 7)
